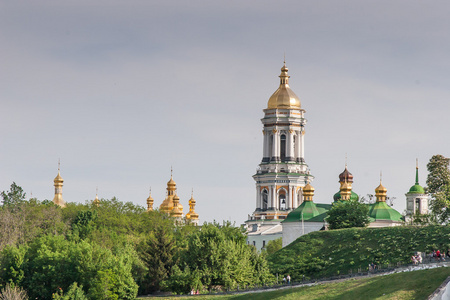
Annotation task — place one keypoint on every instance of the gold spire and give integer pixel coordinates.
(58, 183)
(192, 215)
(381, 191)
(96, 201)
(150, 201)
(284, 97)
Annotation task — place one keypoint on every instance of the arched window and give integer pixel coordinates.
(265, 199)
(283, 147)
(282, 199)
(417, 210)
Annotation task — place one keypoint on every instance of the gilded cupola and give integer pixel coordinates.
(284, 97)
(58, 183)
(96, 200)
(192, 216)
(380, 193)
(176, 212)
(308, 192)
(150, 201)
(167, 205)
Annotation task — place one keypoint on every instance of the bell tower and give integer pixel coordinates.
(283, 172)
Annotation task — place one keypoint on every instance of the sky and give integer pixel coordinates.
(123, 91)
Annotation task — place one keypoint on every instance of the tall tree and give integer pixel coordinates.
(438, 173)
(158, 255)
(438, 185)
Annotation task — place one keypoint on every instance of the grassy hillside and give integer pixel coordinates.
(328, 253)
(416, 285)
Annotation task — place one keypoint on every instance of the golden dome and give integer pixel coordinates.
(96, 201)
(284, 97)
(380, 193)
(308, 192)
(150, 202)
(176, 211)
(381, 189)
(58, 178)
(192, 215)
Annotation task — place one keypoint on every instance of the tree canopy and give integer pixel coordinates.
(348, 214)
(117, 250)
(438, 185)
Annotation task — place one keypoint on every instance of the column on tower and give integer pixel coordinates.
(266, 147)
(302, 145)
(258, 198)
(275, 145)
(290, 146)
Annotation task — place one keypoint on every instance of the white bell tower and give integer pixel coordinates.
(282, 172)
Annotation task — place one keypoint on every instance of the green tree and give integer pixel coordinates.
(438, 182)
(438, 174)
(158, 255)
(348, 214)
(14, 196)
(273, 246)
(84, 223)
(222, 258)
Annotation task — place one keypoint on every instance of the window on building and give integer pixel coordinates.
(264, 244)
(283, 147)
(282, 199)
(254, 243)
(417, 209)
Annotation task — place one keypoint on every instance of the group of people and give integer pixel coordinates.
(287, 279)
(417, 258)
(439, 256)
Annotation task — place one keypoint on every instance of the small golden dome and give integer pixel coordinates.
(58, 178)
(308, 188)
(381, 189)
(171, 182)
(308, 192)
(284, 97)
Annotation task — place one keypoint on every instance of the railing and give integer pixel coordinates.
(352, 273)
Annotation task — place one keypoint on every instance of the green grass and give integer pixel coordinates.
(415, 285)
(328, 253)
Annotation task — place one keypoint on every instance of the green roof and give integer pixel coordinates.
(416, 189)
(353, 196)
(382, 211)
(312, 212)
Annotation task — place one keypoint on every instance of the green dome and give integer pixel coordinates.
(312, 212)
(416, 189)
(353, 196)
(382, 211)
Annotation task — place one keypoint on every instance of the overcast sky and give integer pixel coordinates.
(121, 91)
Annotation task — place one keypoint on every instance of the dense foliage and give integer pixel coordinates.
(116, 251)
(328, 253)
(348, 214)
(438, 185)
